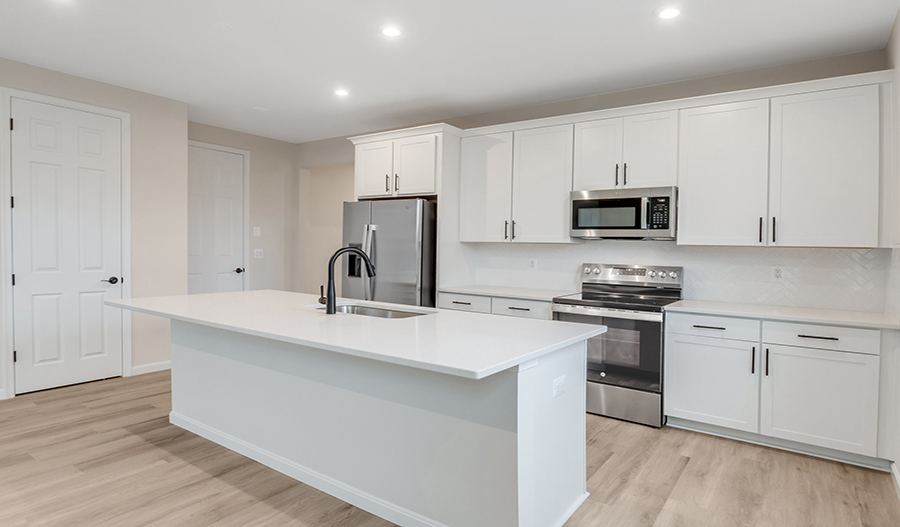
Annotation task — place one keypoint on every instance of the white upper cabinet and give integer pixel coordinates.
(629, 152)
(650, 157)
(542, 182)
(485, 188)
(598, 155)
(375, 169)
(825, 169)
(399, 167)
(414, 165)
(723, 174)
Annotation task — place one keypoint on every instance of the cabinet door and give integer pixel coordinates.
(650, 147)
(598, 155)
(542, 181)
(374, 169)
(818, 397)
(714, 381)
(485, 188)
(415, 165)
(824, 169)
(723, 176)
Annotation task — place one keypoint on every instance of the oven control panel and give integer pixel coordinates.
(632, 274)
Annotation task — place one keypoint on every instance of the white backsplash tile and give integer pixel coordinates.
(849, 279)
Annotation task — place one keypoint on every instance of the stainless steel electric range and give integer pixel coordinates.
(624, 365)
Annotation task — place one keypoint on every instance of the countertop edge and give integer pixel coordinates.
(739, 313)
(447, 370)
(505, 292)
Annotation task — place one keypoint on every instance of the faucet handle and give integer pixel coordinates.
(322, 299)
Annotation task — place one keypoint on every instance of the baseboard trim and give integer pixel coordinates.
(152, 367)
(782, 444)
(373, 504)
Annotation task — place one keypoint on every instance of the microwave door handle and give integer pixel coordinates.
(645, 217)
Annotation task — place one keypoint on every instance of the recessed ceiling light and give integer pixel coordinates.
(341, 92)
(220, 25)
(390, 30)
(667, 12)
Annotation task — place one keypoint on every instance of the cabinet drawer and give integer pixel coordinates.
(521, 308)
(713, 326)
(866, 341)
(477, 304)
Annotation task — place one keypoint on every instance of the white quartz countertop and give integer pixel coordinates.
(521, 293)
(859, 319)
(471, 345)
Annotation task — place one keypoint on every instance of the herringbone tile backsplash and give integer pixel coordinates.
(849, 279)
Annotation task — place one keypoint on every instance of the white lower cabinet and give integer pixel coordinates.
(820, 397)
(512, 307)
(807, 383)
(712, 380)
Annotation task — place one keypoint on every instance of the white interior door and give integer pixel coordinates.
(215, 220)
(67, 235)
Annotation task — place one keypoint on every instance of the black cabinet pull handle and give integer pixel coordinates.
(518, 308)
(753, 361)
(506, 230)
(624, 174)
(820, 338)
(396, 183)
(760, 229)
(387, 183)
(617, 174)
(514, 229)
(710, 327)
(767, 362)
(462, 303)
(773, 229)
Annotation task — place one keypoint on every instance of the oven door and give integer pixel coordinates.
(629, 354)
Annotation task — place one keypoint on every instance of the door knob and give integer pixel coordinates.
(112, 279)
(239, 270)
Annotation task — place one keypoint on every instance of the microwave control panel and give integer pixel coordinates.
(659, 213)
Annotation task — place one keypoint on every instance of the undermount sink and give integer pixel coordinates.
(369, 311)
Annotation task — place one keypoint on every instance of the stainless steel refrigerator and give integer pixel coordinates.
(399, 237)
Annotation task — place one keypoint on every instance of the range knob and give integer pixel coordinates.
(673, 274)
(596, 270)
(587, 270)
(652, 274)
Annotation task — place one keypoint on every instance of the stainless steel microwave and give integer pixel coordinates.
(635, 213)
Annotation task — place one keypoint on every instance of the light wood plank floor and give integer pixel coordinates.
(104, 455)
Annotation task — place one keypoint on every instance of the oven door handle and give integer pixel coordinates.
(604, 312)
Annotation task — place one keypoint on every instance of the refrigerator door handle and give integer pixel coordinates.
(368, 238)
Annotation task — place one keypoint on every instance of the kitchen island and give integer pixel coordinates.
(442, 419)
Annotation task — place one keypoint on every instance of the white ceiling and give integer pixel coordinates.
(455, 57)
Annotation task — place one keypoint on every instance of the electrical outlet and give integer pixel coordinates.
(559, 386)
(777, 273)
(257, 232)
(257, 253)
(532, 264)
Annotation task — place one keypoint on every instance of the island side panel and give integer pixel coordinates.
(551, 439)
(415, 447)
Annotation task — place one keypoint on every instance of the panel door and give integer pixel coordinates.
(598, 155)
(374, 168)
(825, 169)
(650, 147)
(542, 181)
(714, 381)
(415, 165)
(215, 221)
(67, 231)
(723, 176)
(485, 188)
(819, 397)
